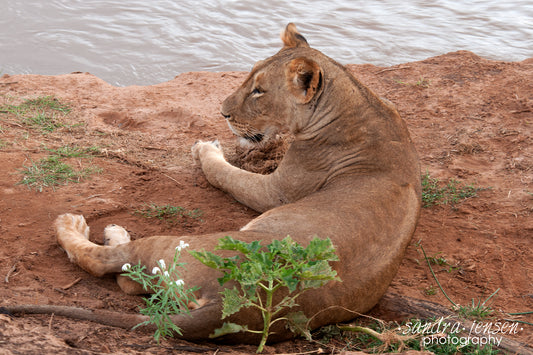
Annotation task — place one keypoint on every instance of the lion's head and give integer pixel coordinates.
(276, 89)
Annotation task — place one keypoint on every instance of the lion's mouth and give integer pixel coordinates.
(250, 135)
(255, 138)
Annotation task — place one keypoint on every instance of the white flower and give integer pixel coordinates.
(162, 264)
(166, 274)
(126, 267)
(180, 282)
(182, 245)
(155, 270)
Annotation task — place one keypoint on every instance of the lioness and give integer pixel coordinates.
(351, 174)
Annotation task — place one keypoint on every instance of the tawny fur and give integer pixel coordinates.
(351, 174)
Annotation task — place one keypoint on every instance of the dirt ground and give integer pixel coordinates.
(471, 120)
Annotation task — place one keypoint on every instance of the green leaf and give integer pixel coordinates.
(277, 246)
(297, 322)
(228, 243)
(289, 279)
(228, 328)
(233, 301)
(318, 271)
(321, 249)
(317, 275)
(263, 260)
(289, 301)
(209, 259)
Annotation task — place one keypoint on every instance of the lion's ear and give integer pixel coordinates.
(304, 78)
(292, 38)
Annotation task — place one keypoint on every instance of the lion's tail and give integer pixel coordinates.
(198, 325)
(115, 319)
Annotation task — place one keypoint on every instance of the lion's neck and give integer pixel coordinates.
(351, 125)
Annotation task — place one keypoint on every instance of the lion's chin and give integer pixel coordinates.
(250, 137)
(256, 138)
(245, 143)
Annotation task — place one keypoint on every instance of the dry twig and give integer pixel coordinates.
(50, 322)
(66, 287)
(171, 178)
(11, 271)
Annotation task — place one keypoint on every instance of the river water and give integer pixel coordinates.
(144, 42)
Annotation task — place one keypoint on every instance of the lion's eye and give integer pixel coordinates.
(257, 92)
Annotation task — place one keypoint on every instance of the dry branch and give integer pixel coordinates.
(404, 307)
(407, 308)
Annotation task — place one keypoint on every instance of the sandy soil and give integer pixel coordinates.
(470, 118)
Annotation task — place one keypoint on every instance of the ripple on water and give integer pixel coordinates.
(144, 42)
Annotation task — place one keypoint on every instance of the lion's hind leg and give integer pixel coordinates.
(116, 235)
(73, 236)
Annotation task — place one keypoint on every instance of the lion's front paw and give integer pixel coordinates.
(200, 149)
(72, 222)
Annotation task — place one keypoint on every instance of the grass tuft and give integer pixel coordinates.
(43, 113)
(481, 310)
(52, 170)
(75, 152)
(454, 192)
(169, 213)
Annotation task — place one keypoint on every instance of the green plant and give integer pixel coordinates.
(422, 82)
(43, 121)
(51, 170)
(430, 291)
(458, 191)
(481, 310)
(437, 260)
(75, 152)
(169, 213)
(40, 113)
(261, 273)
(434, 335)
(170, 297)
(49, 102)
(450, 194)
(519, 320)
(431, 192)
